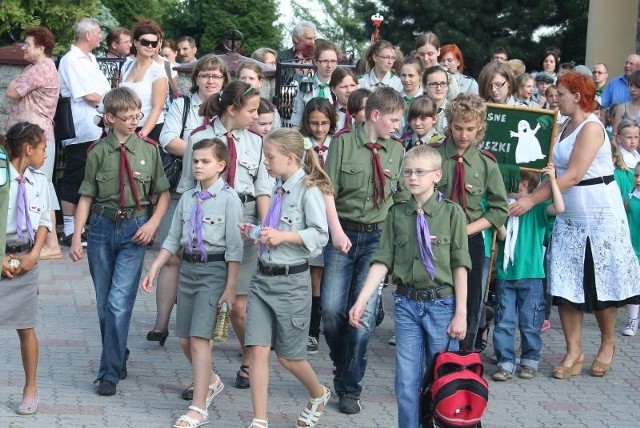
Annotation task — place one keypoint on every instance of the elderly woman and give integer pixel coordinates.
(497, 84)
(147, 78)
(451, 59)
(589, 266)
(35, 95)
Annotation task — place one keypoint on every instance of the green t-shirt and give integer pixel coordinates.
(4, 198)
(528, 256)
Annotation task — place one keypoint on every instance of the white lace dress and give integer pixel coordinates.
(593, 212)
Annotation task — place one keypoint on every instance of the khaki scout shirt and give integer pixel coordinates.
(4, 199)
(102, 172)
(221, 214)
(482, 178)
(303, 210)
(350, 167)
(399, 250)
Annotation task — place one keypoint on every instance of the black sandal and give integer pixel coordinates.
(242, 382)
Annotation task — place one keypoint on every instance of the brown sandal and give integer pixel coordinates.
(565, 372)
(599, 368)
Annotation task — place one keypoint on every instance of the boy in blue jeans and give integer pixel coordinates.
(122, 174)
(424, 243)
(519, 274)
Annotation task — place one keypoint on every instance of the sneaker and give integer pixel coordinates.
(501, 375)
(527, 372)
(106, 387)
(546, 325)
(349, 404)
(632, 327)
(392, 340)
(312, 345)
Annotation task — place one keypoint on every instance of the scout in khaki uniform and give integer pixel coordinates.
(469, 176)
(364, 166)
(424, 244)
(122, 174)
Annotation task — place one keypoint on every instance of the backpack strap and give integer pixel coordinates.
(185, 112)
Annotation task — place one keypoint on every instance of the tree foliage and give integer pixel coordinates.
(208, 20)
(128, 11)
(57, 15)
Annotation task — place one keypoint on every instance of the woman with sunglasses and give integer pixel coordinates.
(497, 84)
(147, 78)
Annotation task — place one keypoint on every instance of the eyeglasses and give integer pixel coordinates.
(147, 43)
(210, 76)
(435, 85)
(327, 61)
(497, 86)
(418, 172)
(386, 58)
(130, 119)
(319, 124)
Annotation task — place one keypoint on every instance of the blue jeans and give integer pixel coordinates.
(342, 281)
(421, 332)
(115, 263)
(520, 301)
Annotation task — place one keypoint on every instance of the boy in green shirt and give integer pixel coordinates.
(424, 244)
(519, 274)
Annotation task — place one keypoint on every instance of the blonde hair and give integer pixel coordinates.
(626, 123)
(427, 153)
(467, 107)
(290, 141)
(618, 160)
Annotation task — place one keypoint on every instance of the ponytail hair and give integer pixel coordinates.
(290, 141)
(235, 94)
(20, 134)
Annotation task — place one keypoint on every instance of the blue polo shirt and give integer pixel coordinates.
(616, 92)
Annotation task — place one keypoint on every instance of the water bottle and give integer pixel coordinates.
(253, 232)
(221, 332)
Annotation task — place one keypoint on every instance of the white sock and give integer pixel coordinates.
(632, 311)
(69, 224)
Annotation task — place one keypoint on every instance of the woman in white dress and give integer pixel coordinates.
(589, 266)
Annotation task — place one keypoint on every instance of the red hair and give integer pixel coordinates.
(42, 37)
(578, 83)
(455, 51)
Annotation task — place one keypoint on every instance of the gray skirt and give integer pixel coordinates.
(19, 300)
(200, 286)
(278, 313)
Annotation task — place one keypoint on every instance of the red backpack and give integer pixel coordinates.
(454, 394)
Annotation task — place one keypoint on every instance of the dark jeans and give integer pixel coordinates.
(474, 290)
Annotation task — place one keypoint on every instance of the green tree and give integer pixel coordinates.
(208, 21)
(128, 11)
(57, 15)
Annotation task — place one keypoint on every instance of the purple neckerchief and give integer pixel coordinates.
(23, 210)
(195, 224)
(424, 240)
(273, 215)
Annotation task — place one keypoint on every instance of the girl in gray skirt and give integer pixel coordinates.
(294, 231)
(28, 223)
(204, 224)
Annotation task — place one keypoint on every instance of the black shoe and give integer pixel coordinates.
(349, 404)
(187, 393)
(106, 387)
(123, 372)
(242, 382)
(157, 336)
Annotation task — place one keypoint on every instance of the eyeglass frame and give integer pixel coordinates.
(418, 172)
(496, 86)
(436, 85)
(386, 58)
(130, 119)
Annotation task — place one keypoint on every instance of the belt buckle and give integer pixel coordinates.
(267, 270)
(192, 257)
(422, 295)
(368, 227)
(121, 214)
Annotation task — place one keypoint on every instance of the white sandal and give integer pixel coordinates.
(214, 389)
(309, 417)
(259, 423)
(192, 423)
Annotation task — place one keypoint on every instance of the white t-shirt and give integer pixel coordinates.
(144, 89)
(80, 76)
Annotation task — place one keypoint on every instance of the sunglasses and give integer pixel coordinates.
(147, 43)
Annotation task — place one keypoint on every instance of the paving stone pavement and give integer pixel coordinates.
(69, 354)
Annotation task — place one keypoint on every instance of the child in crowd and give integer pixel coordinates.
(468, 176)
(632, 205)
(543, 81)
(356, 108)
(411, 78)
(628, 137)
(294, 231)
(424, 244)
(631, 109)
(26, 224)
(205, 226)
(364, 167)
(251, 73)
(325, 58)
(435, 83)
(122, 175)
(380, 59)
(423, 115)
(233, 111)
(525, 88)
(343, 82)
(519, 275)
(318, 124)
(264, 123)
